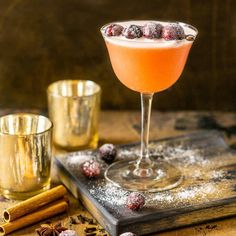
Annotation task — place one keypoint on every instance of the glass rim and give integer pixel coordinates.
(22, 114)
(51, 91)
(148, 42)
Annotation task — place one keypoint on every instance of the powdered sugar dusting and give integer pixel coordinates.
(76, 160)
(116, 197)
(110, 194)
(218, 174)
(185, 156)
(206, 177)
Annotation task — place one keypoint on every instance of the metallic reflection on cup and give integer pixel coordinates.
(74, 108)
(25, 155)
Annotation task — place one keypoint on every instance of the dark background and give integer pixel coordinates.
(45, 41)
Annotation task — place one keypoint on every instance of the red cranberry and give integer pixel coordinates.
(133, 31)
(91, 169)
(107, 152)
(135, 201)
(152, 30)
(173, 31)
(113, 30)
(128, 234)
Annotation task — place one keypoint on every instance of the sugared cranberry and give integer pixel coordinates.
(113, 30)
(135, 201)
(132, 31)
(173, 31)
(107, 152)
(128, 234)
(68, 233)
(152, 30)
(91, 169)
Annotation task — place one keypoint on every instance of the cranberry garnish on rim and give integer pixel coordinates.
(152, 30)
(91, 169)
(113, 30)
(132, 31)
(173, 31)
(135, 201)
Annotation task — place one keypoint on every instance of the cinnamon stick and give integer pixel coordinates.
(34, 203)
(51, 210)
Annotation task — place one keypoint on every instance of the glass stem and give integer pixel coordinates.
(143, 164)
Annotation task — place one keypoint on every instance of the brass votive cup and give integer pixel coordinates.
(74, 108)
(25, 155)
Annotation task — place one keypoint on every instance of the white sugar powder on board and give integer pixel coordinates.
(114, 196)
(106, 193)
(77, 160)
(110, 194)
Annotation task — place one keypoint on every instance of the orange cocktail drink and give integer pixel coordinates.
(147, 57)
(148, 65)
(149, 68)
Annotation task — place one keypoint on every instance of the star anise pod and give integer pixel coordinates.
(50, 229)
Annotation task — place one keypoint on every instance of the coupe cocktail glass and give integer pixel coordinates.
(147, 66)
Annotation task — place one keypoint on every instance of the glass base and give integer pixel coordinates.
(77, 146)
(159, 176)
(23, 195)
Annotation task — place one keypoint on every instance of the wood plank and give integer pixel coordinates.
(207, 192)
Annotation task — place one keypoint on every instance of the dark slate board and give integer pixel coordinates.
(207, 192)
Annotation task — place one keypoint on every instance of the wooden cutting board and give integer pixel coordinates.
(207, 192)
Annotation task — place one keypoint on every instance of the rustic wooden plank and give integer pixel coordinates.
(207, 192)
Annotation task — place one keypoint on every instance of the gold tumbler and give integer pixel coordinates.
(74, 108)
(25, 155)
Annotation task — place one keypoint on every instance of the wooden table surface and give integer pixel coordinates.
(120, 127)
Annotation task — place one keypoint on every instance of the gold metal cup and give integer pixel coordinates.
(25, 155)
(74, 108)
